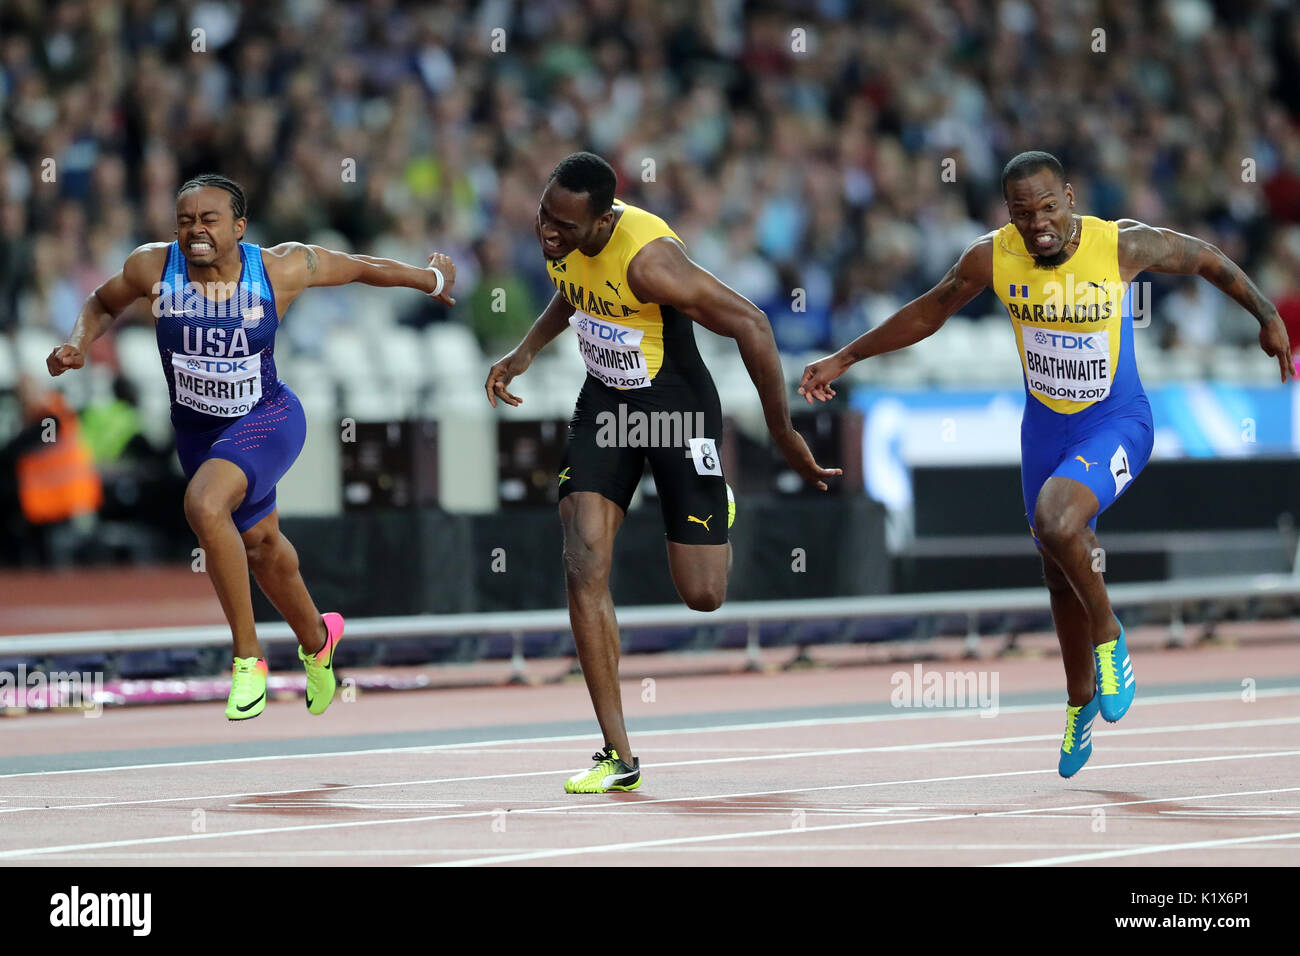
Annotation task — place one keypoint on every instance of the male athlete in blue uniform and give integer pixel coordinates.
(217, 303)
(1086, 431)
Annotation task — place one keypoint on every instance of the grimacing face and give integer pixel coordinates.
(565, 222)
(206, 227)
(1040, 206)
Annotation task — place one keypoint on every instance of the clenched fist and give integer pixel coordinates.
(448, 269)
(63, 358)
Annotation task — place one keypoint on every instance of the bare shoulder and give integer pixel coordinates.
(144, 265)
(657, 269)
(1139, 242)
(1131, 231)
(291, 260)
(1141, 246)
(972, 271)
(287, 252)
(285, 249)
(148, 254)
(665, 251)
(977, 258)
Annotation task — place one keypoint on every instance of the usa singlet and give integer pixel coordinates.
(226, 400)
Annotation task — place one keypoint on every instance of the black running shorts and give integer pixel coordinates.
(677, 428)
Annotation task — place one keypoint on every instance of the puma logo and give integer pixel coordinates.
(614, 287)
(1086, 464)
(705, 522)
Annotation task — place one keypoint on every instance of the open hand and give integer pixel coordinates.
(499, 377)
(798, 456)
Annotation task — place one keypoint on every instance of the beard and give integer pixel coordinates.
(1051, 262)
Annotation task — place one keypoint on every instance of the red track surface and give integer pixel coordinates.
(1204, 778)
(92, 599)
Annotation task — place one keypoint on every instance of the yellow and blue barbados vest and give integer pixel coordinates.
(1073, 323)
(622, 340)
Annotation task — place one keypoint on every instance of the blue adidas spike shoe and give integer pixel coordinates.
(1115, 682)
(1076, 747)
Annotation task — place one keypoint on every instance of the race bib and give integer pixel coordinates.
(1073, 366)
(612, 351)
(704, 452)
(1120, 469)
(228, 387)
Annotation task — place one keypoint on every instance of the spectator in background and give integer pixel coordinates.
(502, 307)
(112, 430)
(819, 167)
(49, 470)
(16, 256)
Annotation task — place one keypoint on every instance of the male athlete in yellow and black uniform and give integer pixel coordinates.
(1086, 432)
(625, 285)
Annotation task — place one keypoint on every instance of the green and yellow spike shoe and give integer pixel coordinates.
(610, 773)
(320, 666)
(731, 507)
(247, 688)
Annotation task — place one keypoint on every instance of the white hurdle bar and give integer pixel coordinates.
(753, 613)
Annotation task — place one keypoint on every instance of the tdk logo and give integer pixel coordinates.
(605, 332)
(1063, 340)
(220, 366)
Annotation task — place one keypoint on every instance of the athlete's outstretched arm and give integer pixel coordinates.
(1143, 247)
(105, 304)
(919, 319)
(662, 273)
(298, 266)
(553, 320)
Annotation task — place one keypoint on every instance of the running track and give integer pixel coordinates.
(789, 768)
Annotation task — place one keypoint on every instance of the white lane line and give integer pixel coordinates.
(1142, 851)
(444, 851)
(786, 830)
(837, 752)
(479, 814)
(967, 713)
(756, 848)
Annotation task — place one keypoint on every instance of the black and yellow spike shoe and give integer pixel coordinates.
(610, 773)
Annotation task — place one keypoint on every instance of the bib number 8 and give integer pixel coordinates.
(704, 453)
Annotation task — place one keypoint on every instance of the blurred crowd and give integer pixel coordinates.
(827, 158)
(848, 150)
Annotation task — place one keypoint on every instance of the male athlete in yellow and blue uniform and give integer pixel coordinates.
(1086, 415)
(625, 286)
(1086, 431)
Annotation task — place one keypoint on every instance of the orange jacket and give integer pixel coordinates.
(58, 480)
